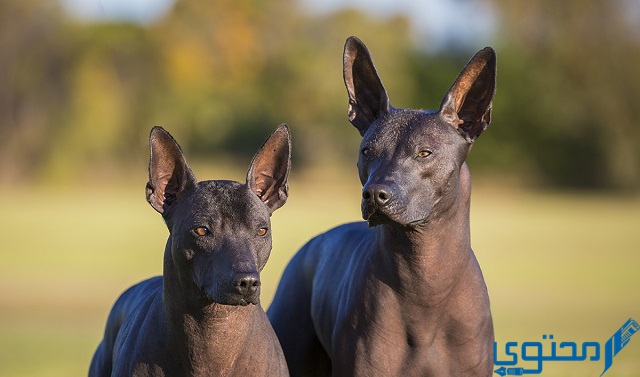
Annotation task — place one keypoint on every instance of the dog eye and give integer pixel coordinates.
(366, 151)
(201, 231)
(262, 231)
(423, 153)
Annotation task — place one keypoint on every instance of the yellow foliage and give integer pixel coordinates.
(188, 66)
(214, 45)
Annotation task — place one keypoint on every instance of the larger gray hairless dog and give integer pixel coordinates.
(401, 294)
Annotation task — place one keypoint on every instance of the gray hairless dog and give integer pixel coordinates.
(401, 294)
(203, 316)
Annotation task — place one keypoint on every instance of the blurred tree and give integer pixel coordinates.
(33, 91)
(307, 79)
(111, 82)
(78, 99)
(212, 57)
(235, 69)
(568, 88)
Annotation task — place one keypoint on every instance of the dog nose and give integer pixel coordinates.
(377, 194)
(247, 283)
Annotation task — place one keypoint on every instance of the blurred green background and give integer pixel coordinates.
(556, 204)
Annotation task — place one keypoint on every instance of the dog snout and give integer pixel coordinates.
(378, 195)
(247, 284)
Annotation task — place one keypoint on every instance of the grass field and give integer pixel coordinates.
(555, 263)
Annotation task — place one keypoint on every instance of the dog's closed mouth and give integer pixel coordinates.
(231, 300)
(243, 301)
(374, 215)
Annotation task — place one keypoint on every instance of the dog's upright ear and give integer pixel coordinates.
(467, 105)
(269, 169)
(368, 98)
(169, 175)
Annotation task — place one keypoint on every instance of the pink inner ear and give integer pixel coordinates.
(264, 186)
(155, 197)
(268, 172)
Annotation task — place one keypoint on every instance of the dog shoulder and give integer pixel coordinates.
(125, 305)
(338, 243)
(337, 238)
(136, 294)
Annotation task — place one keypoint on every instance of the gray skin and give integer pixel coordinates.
(401, 294)
(202, 317)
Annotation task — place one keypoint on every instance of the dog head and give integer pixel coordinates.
(220, 237)
(411, 162)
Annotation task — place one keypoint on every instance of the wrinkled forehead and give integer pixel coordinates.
(410, 127)
(226, 200)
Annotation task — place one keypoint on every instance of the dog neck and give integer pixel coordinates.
(205, 338)
(428, 260)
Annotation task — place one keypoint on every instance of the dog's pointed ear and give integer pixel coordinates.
(467, 105)
(169, 175)
(368, 98)
(269, 169)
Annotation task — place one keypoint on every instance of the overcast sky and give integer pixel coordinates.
(442, 21)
